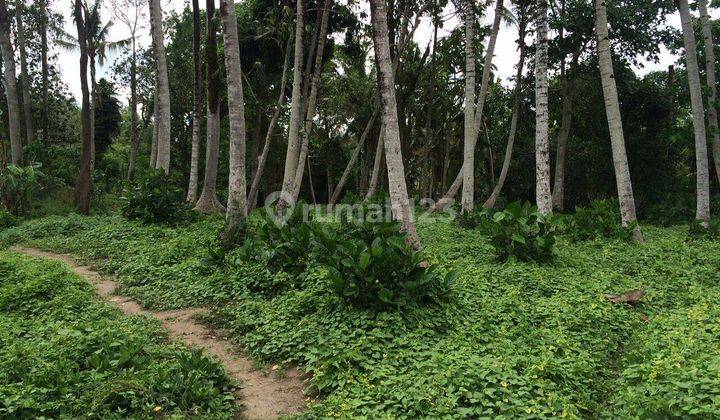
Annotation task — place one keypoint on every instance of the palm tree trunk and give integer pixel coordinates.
(237, 189)
(27, 98)
(312, 100)
(558, 193)
(379, 150)
(711, 82)
(393, 156)
(701, 158)
(162, 93)
(153, 144)
(490, 202)
(45, 68)
(83, 187)
(252, 196)
(208, 201)
(542, 148)
(197, 107)
(293, 147)
(133, 111)
(93, 102)
(612, 109)
(353, 159)
(11, 93)
(469, 147)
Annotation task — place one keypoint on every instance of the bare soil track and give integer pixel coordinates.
(263, 396)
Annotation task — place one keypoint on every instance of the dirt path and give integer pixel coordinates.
(262, 396)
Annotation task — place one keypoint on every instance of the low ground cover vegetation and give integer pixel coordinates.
(66, 354)
(513, 339)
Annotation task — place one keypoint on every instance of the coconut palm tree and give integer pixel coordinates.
(701, 158)
(11, 93)
(612, 109)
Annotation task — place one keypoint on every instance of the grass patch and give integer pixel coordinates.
(514, 339)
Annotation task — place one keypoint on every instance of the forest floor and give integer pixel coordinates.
(513, 339)
(262, 395)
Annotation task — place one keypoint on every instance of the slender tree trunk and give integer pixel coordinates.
(393, 157)
(3, 168)
(252, 196)
(133, 111)
(711, 82)
(462, 178)
(11, 93)
(45, 69)
(197, 107)
(293, 147)
(237, 190)
(542, 148)
(27, 98)
(469, 147)
(208, 201)
(558, 194)
(312, 101)
(701, 158)
(377, 164)
(353, 159)
(162, 93)
(153, 145)
(490, 202)
(93, 101)
(83, 187)
(612, 109)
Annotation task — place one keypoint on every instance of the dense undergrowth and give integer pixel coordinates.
(65, 354)
(514, 339)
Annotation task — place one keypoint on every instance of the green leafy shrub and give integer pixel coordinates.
(475, 218)
(153, 198)
(697, 231)
(20, 185)
(522, 232)
(376, 267)
(282, 244)
(6, 219)
(600, 220)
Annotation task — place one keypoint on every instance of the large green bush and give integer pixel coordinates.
(375, 266)
(600, 220)
(154, 198)
(20, 185)
(521, 232)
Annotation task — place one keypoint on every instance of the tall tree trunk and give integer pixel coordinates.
(293, 147)
(612, 109)
(462, 177)
(517, 101)
(162, 92)
(11, 93)
(353, 159)
(208, 201)
(469, 147)
(393, 157)
(542, 148)
(377, 164)
(153, 144)
(45, 69)
(27, 98)
(83, 187)
(133, 111)
(701, 158)
(312, 101)
(558, 193)
(237, 190)
(711, 82)
(94, 98)
(252, 196)
(197, 107)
